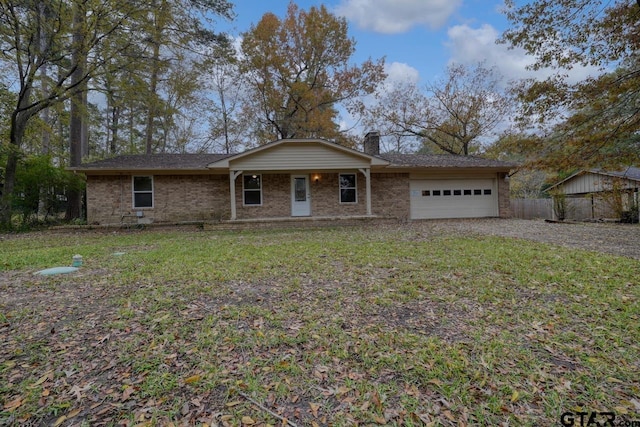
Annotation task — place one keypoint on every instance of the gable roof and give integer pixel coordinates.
(202, 163)
(444, 161)
(225, 163)
(631, 173)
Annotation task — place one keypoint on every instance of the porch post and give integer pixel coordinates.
(367, 177)
(232, 188)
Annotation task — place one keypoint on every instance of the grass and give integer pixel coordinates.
(317, 327)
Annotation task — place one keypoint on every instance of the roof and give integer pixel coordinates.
(444, 161)
(631, 173)
(153, 162)
(203, 162)
(375, 160)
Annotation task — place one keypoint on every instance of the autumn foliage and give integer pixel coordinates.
(593, 121)
(299, 72)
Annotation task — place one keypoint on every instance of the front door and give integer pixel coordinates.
(300, 201)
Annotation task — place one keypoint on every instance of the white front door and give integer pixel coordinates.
(300, 201)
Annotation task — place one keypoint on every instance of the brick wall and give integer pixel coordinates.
(276, 198)
(191, 198)
(391, 195)
(325, 196)
(106, 196)
(180, 198)
(176, 198)
(504, 201)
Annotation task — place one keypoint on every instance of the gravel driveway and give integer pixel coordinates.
(617, 239)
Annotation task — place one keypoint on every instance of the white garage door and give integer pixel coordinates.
(453, 198)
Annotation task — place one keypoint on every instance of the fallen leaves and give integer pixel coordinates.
(376, 331)
(12, 405)
(192, 379)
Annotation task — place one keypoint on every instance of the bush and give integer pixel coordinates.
(40, 189)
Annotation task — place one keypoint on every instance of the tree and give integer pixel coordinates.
(56, 50)
(226, 127)
(455, 114)
(524, 183)
(593, 122)
(31, 39)
(77, 127)
(299, 71)
(174, 34)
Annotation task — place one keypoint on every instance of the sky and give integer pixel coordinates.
(417, 38)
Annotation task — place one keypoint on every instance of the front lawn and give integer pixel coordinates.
(350, 326)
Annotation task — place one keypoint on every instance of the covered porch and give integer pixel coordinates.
(258, 194)
(296, 178)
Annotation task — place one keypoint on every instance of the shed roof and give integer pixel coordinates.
(631, 173)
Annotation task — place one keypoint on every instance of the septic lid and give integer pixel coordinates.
(56, 270)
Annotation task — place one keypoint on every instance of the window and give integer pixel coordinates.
(487, 192)
(446, 193)
(477, 192)
(142, 191)
(467, 192)
(348, 193)
(436, 192)
(426, 193)
(457, 192)
(252, 189)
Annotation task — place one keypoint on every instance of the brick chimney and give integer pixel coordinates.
(372, 143)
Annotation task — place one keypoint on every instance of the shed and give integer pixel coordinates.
(597, 194)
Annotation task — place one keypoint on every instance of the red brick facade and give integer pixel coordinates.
(176, 198)
(504, 201)
(206, 197)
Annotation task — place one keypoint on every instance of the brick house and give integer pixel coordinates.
(294, 178)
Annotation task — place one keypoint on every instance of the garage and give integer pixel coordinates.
(453, 198)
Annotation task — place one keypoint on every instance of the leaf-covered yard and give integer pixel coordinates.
(396, 325)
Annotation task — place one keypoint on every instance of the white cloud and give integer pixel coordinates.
(470, 46)
(397, 16)
(398, 72)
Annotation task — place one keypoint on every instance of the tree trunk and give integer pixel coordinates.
(45, 115)
(18, 127)
(115, 122)
(153, 81)
(77, 112)
(84, 138)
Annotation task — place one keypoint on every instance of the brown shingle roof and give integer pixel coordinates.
(154, 161)
(444, 161)
(188, 162)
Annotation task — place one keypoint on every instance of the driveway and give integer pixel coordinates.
(617, 239)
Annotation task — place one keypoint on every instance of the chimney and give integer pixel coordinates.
(372, 143)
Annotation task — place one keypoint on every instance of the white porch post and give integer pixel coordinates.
(232, 188)
(367, 177)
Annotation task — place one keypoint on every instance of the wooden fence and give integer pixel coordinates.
(578, 209)
(531, 208)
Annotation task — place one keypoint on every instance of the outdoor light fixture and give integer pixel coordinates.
(316, 178)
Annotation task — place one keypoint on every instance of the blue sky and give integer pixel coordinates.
(418, 38)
